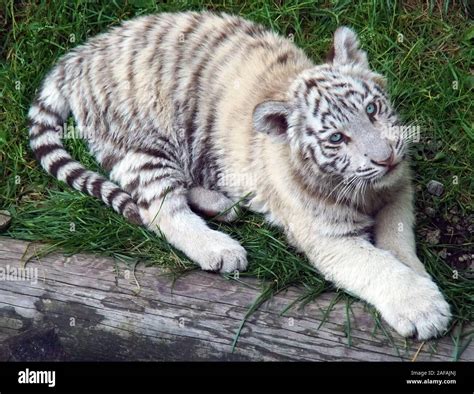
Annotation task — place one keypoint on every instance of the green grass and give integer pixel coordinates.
(424, 50)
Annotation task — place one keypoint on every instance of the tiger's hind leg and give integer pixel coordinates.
(212, 204)
(157, 184)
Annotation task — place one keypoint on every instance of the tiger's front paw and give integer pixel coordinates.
(418, 308)
(220, 253)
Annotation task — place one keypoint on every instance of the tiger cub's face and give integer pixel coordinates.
(338, 118)
(345, 124)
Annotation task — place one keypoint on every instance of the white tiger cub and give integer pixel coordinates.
(191, 111)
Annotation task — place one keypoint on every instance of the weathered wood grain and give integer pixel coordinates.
(86, 307)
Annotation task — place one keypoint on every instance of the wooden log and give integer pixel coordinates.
(86, 307)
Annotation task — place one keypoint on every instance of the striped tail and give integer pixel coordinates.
(47, 116)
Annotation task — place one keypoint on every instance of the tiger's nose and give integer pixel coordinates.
(388, 162)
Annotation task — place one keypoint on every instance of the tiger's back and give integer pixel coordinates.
(167, 76)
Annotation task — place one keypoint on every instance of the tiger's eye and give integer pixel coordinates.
(370, 109)
(336, 138)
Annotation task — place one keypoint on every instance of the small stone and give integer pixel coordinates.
(431, 212)
(443, 253)
(5, 220)
(454, 210)
(433, 236)
(435, 188)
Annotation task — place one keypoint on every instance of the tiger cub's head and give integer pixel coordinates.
(338, 119)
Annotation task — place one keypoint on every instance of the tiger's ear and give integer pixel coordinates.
(271, 117)
(345, 49)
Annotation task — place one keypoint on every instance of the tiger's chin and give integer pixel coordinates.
(390, 177)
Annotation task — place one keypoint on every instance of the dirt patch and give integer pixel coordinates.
(449, 234)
